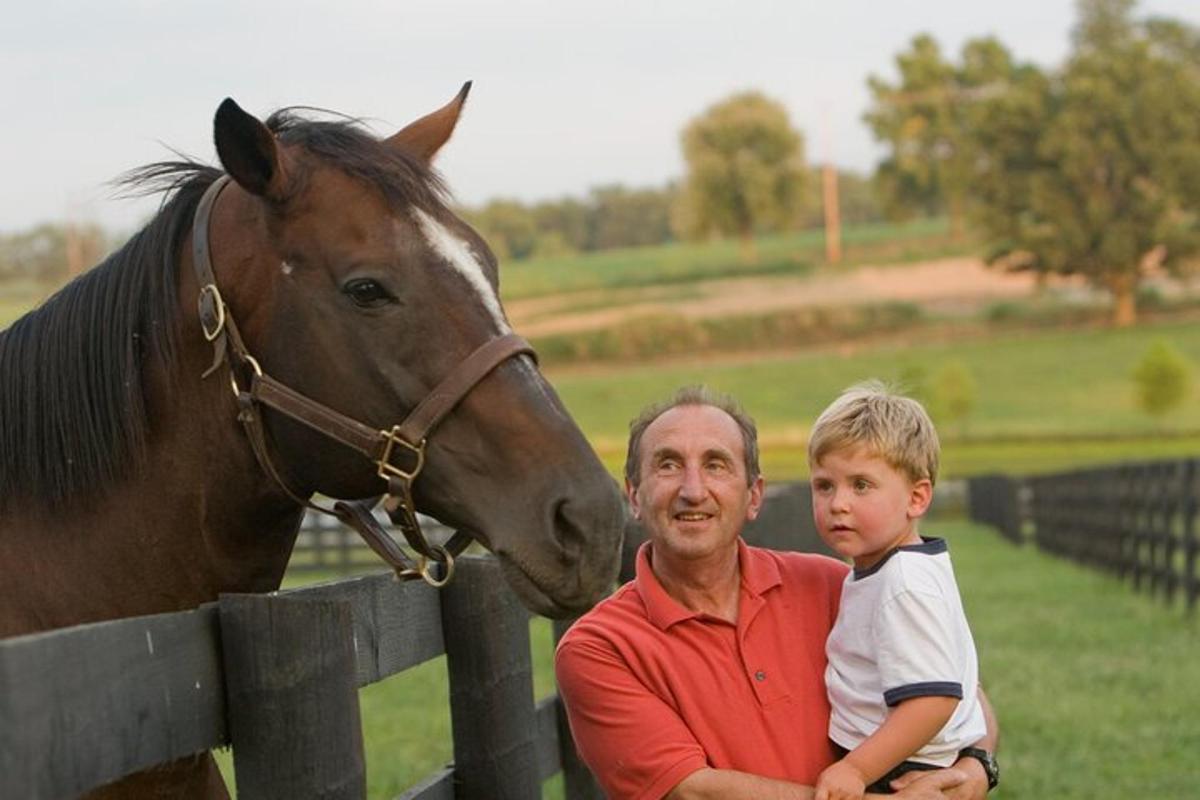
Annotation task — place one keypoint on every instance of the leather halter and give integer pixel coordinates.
(404, 442)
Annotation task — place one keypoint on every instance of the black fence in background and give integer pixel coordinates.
(1135, 521)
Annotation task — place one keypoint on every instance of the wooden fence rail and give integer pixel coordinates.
(83, 706)
(1136, 521)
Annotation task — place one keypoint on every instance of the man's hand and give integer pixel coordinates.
(966, 780)
(840, 781)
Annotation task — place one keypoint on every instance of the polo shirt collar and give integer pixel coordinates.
(759, 573)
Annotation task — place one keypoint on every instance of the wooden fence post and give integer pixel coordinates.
(486, 632)
(292, 696)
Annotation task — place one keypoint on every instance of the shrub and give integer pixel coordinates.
(1162, 379)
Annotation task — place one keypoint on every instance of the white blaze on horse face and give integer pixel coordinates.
(458, 254)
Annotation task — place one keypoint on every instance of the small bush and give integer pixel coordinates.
(1162, 379)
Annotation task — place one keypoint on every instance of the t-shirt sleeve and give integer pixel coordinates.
(917, 654)
(632, 740)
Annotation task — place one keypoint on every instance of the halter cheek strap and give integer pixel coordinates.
(398, 453)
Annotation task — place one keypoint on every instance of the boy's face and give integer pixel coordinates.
(865, 508)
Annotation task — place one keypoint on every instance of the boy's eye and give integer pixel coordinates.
(861, 485)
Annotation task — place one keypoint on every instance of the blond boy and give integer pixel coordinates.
(902, 674)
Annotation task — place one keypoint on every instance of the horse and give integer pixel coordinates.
(149, 461)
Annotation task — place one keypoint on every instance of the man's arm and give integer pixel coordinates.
(725, 784)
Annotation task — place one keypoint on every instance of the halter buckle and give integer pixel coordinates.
(388, 470)
(211, 304)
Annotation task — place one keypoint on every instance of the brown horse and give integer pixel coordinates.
(127, 484)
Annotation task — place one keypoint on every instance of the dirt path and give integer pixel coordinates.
(945, 281)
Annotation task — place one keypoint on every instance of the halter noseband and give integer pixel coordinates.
(382, 447)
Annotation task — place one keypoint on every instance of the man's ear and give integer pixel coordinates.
(634, 506)
(756, 497)
(919, 498)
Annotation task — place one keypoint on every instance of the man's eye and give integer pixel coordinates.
(366, 293)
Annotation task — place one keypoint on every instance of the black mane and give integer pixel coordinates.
(72, 372)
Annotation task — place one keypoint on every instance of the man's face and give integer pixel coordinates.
(693, 497)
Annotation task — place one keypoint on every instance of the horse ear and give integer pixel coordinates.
(248, 151)
(426, 136)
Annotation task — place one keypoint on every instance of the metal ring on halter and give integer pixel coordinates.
(446, 558)
(237, 392)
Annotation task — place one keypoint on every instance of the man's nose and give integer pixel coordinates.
(692, 488)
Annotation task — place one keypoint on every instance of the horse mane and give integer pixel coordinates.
(73, 371)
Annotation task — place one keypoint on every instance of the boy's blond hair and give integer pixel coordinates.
(894, 427)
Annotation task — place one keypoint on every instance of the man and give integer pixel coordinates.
(703, 677)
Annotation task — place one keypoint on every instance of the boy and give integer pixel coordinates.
(902, 673)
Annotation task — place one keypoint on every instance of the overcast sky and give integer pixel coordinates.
(568, 95)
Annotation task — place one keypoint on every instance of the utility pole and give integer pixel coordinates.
(829, 194)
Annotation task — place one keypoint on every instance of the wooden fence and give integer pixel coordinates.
(276, 677)
(1136, 521)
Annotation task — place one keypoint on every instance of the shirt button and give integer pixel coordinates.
(760, 676)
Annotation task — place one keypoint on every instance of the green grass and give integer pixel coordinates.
(687, 262)
(1045, 400)
(1094, 684)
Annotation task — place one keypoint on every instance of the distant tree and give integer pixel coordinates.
(926, 121)
(1162, 379)
(51, 253)
(568, 219)
(1096, 171)
(858, 201)
(745, 170)
(622, 217)
(508, 226)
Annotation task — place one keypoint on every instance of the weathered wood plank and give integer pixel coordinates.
(83, 706)
(397, 624)
(438, 786)
(293, 700)
(491, 686)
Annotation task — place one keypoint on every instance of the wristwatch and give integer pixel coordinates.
(989, 763)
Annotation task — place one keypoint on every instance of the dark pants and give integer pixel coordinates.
(882, 786)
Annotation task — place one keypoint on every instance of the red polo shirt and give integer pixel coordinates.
(655, 692)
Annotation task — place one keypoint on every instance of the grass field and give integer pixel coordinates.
(1094, 685)
(684, 262)
(1045, 400)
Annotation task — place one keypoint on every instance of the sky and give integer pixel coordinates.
(568, 95)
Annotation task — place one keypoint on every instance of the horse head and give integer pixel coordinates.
(353, 283)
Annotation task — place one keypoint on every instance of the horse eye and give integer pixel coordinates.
(366, 293)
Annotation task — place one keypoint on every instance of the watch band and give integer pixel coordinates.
(990, 766)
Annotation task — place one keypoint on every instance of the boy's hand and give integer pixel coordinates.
(840, 781)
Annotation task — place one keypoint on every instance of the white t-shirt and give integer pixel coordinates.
(901, 633)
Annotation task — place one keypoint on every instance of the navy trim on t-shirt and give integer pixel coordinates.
(930, 546)
(929, 689)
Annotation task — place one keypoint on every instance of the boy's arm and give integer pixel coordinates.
(908, 726)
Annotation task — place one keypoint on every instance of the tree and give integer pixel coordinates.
(1096, 171)
(926, 121)
(1162, 379)
(745, 171)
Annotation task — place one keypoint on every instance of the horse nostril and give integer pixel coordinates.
(568, 533)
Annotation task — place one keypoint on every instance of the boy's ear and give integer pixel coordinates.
(919, 498)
